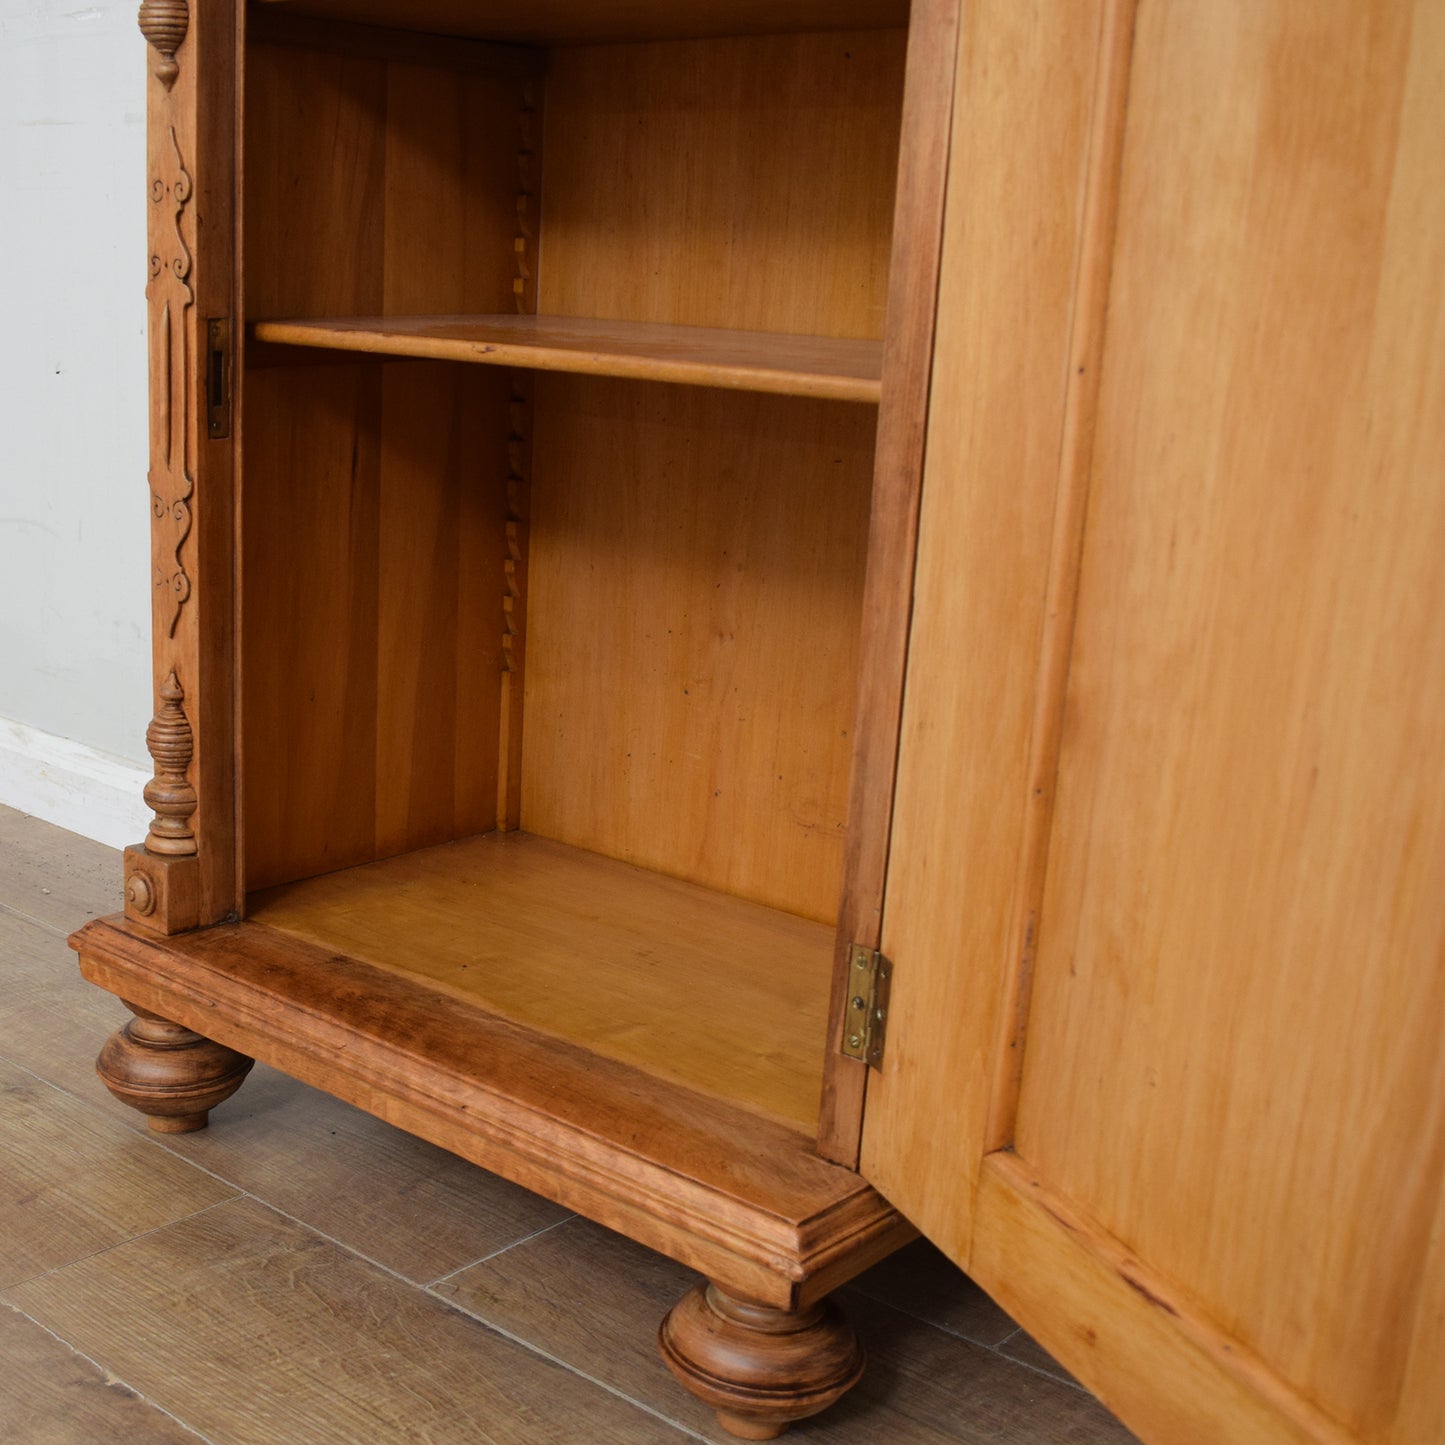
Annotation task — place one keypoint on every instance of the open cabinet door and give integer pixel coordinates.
(1166, 891)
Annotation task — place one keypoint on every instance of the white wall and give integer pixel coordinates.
(74, 550)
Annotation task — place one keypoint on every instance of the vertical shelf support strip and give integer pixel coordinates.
(519, 456)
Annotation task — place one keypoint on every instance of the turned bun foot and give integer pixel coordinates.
(759, 1368)
(173, 1076)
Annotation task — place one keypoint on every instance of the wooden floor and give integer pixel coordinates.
(300, 1272)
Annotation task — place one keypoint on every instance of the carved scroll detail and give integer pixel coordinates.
(164, 23)
(172, 479)
(169, 793)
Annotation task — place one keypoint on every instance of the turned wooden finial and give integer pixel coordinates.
(164, 23)
(169, 793)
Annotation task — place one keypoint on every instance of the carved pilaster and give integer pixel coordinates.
(185, 871)
(164, 23)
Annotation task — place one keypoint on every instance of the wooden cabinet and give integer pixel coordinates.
(682, 534)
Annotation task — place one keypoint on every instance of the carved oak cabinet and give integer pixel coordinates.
(786, 620)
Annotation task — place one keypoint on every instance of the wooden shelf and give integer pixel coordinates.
(693, 986)
(573, 21)
(816, 366)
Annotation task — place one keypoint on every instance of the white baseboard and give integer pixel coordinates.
(73, 786)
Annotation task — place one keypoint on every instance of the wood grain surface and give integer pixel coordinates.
(373, 571)
(1124, 1330)
(1023, 1347)
(1243, 922)
(797, 139)
(421, 214)
(1000, 378)
(591, 1305)
(693, 650)
(302, 1151)
(391, 39)
(892, 538)
(49, 1393)
(53, 1021)
(572, 21)
(640, 968)
(300, 1308)
(592, 1299)
(923, 1282)
(52, 877)
(822, 366)
(372, 533)
(764, 609)
(75, 1183)
(190, 484)
(721, 1188)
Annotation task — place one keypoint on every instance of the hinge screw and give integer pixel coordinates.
(854, 1041)
(858, 1003)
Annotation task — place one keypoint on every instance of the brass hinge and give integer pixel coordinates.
(867, 1013)
(218, 378)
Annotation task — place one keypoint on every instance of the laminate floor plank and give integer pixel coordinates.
(594, 1300)
(1025, 1348)
(299, 1149)
(57, 878)
(423, 1212)
(293, 1146)
(923, 1282)
(49, 1395)
(73, 1183)
(52, 1021)
(255, 1330)
(946, 1388)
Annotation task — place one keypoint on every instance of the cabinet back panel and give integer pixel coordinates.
(378, 187)
(696, 575)
(372, 607)
(743, 183)
(373, 498)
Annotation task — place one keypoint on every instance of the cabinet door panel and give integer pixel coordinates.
(1217, 1173)
(1243, 925)
(1012, 231)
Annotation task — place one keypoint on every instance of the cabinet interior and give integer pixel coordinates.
(548, 661)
